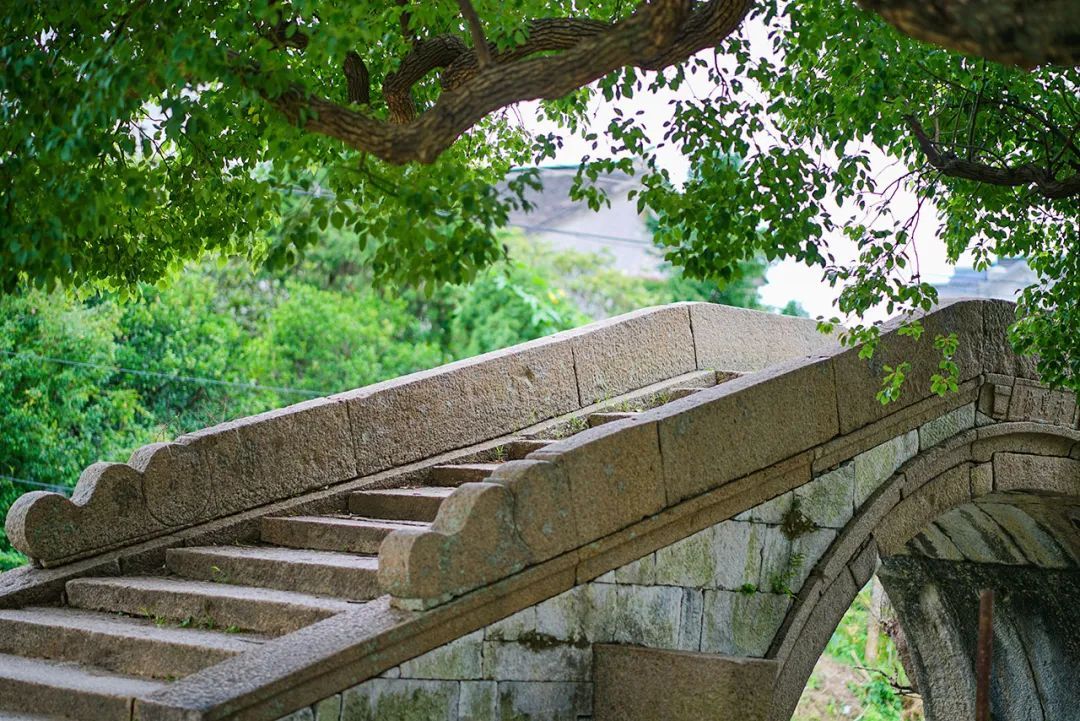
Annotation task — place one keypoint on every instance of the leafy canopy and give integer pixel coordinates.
(139, 135)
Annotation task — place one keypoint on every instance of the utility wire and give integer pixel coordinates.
(583, 234)
(163, 376)
(37, 484)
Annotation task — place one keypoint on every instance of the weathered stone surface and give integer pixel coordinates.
(536, 660)
(1016, 471)
(555, 701)
(736, 558)
(772, 511)
(1038, 547)
(479, 701)
(641, 572)
(875, 466)
(1031, 401)
(735, 339)
(460, 659)
(640, 684)
(741, 623)
(998, 356)
(1029, 438)
(933, 542)
(858, 380)
(323, 572)
(632, 351)
(116, 643)
(329, 709)
(810, 640)
(693, 561)
(453, 406)
(304, 714)
(222, 605)
(827, 500)
(45, 687)
(253, 461)
(543, 506)
(982, 479)
(946, 426)
(400, 700)
(691, 620)
(747, 424)
(205, 475)
(943, 493)
(959, 527)
(471, 542)
(614, 475)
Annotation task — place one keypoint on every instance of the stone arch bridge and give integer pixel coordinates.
(659, 516)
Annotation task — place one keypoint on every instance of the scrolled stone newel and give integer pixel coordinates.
(162, 486)
(470, 543)
(197, 478)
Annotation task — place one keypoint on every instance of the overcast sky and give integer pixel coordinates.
(786, 280)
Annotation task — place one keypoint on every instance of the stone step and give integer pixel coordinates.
(454, 475)
(399, 504)
(327, 573)
(14, 716)
(348, 534)
(678, 393)
(521, 447)
(116, 643)
(203, 604)
(68, 690)
(599, 419)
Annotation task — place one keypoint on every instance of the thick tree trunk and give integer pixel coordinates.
(1015, 32)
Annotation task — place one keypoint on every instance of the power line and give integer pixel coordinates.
(37, 484)
(583, 234)
(163, 376)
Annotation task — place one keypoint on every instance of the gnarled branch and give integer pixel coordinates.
(1029, 174)
(597, 52)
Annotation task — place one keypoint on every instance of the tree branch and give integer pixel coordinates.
(587, 58)
(425, 56)
(1046, 184)
(357, 79)
(476, 29)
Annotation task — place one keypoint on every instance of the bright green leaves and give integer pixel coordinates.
(948, 379)
(892, 382)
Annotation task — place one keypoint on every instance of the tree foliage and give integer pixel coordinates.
(137, 136)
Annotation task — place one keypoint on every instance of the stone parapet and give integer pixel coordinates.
(578, 491)
(248, 463)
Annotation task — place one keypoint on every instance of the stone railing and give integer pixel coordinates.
(582, 489)
(251, 462)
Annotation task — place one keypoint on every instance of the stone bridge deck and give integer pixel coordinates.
(658, 516)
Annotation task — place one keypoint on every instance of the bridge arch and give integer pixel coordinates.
(997, 508)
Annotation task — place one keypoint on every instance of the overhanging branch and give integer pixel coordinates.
(658, 34)
(1043, 180)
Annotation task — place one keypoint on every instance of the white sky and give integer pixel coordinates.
(787, 280)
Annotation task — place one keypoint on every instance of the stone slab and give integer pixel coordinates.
(427, 413)
(736, 339)
(746, 424)
(634, 683)
(858, 380)
(632, 351)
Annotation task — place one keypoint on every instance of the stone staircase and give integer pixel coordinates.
(117, 637)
